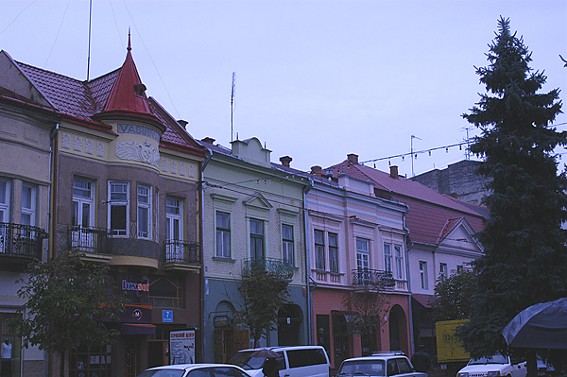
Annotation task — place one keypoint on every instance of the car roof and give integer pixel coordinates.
(281, 348)
(377, 356)
(193, 366)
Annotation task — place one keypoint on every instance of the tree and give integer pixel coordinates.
(453, 296)
(263, 293)
(367, 310)
(67, 300)
(525, 259)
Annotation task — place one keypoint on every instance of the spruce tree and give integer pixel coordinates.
(525, 259)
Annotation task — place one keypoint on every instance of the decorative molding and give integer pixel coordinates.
(78, 144)
(89, 146)
(100, 149)
(133, 151)
(65, 141)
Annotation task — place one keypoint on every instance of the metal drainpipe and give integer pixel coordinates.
(202, 290)
(51, 216)
(412, 345)
(308, 264)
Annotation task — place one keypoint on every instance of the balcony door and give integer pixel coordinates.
(363, 260)
(174, 230)
(82, 235)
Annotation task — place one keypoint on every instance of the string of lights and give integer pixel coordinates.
(414, 154)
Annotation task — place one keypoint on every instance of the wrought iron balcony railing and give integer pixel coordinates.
(89, 240)
(21, 240)
(373, 279)
(184, 252)
(270, 265)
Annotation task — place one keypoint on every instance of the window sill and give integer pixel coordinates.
(225, 260)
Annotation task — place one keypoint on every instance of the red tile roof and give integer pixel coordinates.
(119, 92)
(430, 213)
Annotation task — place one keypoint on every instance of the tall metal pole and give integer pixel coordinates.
(90, 33)
(232, 107)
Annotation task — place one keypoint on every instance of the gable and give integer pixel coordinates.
(459, 234)
(13, 79)
(258, 201)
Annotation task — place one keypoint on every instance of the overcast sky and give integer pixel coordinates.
(315, 79)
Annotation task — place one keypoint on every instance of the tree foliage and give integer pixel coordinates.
(263, 293)
(66, 301)
(453, 296)
(368, 309)
(524, 259)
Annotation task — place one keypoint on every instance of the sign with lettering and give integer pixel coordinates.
(167, 316)
(182, 347)
(138, 130)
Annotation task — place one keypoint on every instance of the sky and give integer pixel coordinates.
(313, 79)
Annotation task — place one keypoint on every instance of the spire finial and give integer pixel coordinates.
(129, 44)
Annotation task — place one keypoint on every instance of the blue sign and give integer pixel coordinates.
(167, 315)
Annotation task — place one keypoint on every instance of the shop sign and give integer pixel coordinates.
(137, 313)
(167, 316)
(221, 321)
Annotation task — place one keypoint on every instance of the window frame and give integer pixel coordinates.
(288, 244)
(257, 240)
(141, 207)
(32, 209)
(424, 279)
(399, 261)
(320, 259)
(224, 233)
(443, 271)
(5, 205)
(79, 202)
(388, 259)
(333, 252)
(119, 203)
(362, 255)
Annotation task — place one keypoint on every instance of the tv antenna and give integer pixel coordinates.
(232, 107)
(90, 34)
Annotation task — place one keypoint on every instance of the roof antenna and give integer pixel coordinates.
(90, 34)
(232, 107)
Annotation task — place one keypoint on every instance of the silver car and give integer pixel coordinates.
(195, 370)
(382, 364)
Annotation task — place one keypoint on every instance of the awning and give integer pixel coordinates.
(137, 329)
(423, 300)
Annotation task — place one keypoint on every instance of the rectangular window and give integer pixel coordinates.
(460, 268)
(144, 211)
(319, 250)
(333, 252)
(362, 253)
(4, 200)
(443, 273)
(288, 245)
(28, 204)
(118, 203)
(399, 262)
(175, 250)
(83, 200)
(423, 275)
(387, 258)
(223, 235)
(257, 239)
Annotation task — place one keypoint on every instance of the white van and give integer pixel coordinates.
(296, 361)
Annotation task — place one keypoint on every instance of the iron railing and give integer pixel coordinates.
(21, 240)
(89, 240)
(270, 265)
(185, 252)
(373, 279)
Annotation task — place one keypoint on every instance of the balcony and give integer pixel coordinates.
(20, 242)
(95, 243)
(269, 265)
(367, 278)
(182, 255)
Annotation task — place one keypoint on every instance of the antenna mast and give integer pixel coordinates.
(90, 33)
(232, 107)
(411, 151)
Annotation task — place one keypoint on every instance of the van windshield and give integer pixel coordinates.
(249, 360)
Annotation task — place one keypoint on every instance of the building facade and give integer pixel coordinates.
(125, 192)
(440, 238)
(26, 130)
(253, 214)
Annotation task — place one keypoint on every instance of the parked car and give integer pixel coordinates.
(492, 366)
(292, 361)
(195, 370)
(379, 364)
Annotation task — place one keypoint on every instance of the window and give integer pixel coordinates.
(460, 268)
(319, 250)
(144, 211)
(174, 229)
(387, 258)
(83, 198)
(443, 273)
(288, 245)
(257, 239)
(223, 235)
(399, 262)
(118, 201)
(28, 204)
(362, 253)
(423, 275)
(4, 200)
(334, 252)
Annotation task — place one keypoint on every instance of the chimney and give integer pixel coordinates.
(182, 123)
(352, 158)
(316, 170)
(208, 140)
(394, 171)
(285, 160)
